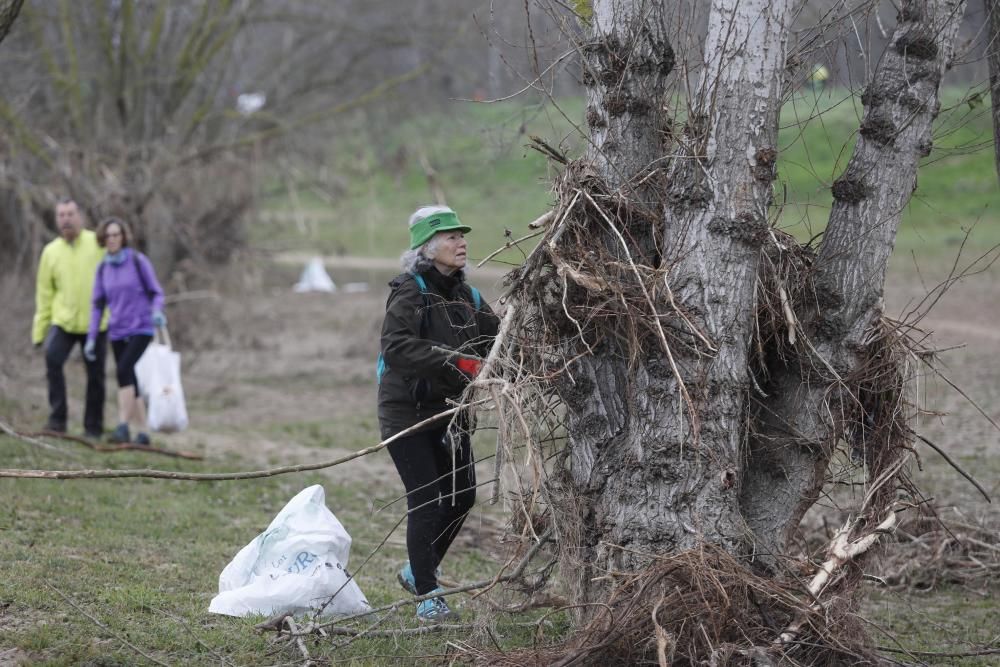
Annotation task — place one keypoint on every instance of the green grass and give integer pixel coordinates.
(143, 558)
(947, 620)
(495, 182)
(479, 151)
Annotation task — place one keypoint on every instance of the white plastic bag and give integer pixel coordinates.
(314, 278)
(159, 374)
(294, 566)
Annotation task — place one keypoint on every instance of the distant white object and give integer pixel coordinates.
(250, 103)
(294, 566)
(314, 278)
(352, 288)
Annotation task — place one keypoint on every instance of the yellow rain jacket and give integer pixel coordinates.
(65, 284)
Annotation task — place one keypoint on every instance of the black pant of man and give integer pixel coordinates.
(57, 350)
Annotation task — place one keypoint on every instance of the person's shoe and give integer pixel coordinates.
(142, 438)
(93, 435)
(55, 427)
(120, 434)
(406, 580)
(435, 610)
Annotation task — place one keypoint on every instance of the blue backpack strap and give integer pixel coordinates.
(380, 368)
(477, 298)
(421, 283)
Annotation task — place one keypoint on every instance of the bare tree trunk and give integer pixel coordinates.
(9, 9)
(807, 408)
(657, 429)
(993, 57)
(670, 443)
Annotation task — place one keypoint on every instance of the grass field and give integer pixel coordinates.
(496, 182)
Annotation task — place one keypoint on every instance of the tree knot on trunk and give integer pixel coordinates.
(621, 103)
(878, 128)
(746, 228)
(918, 44)
(644, 53)
(765, 168)
(850, 189)
(595, 119)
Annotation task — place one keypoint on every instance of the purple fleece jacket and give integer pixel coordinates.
(131, 299)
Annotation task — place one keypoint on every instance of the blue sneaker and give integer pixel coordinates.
(406, 580)
(120, 434)
(435, 610)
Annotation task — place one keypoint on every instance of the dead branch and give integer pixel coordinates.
(293, 629)
(842, 550)
(118, 447)
(954, 465)
(6, 428)
(205, 477)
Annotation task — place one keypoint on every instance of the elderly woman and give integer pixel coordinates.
(127, 285)
(436, 329)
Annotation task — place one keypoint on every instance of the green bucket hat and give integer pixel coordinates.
(423, 229)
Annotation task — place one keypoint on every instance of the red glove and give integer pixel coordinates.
(470, 367)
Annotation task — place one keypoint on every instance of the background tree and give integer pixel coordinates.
(135, 108)
(9, 10)
(993, 57)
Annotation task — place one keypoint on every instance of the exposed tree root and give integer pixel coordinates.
(699, 607)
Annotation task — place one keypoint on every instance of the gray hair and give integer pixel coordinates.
(421, 258)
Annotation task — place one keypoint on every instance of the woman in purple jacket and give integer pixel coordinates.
(127, 285)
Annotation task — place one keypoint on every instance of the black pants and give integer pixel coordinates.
(438, 501)
(127, 352)
(57, 350)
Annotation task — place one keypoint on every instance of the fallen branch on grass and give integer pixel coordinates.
(932, 549)
(294, 632)
(225, 476)
(6, 428)
(115, 448)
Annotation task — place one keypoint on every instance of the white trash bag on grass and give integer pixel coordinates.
(294, 566)
(159, 374)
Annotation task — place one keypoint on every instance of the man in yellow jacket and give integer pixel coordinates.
(62, 312)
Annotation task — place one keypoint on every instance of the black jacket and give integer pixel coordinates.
(419, 378)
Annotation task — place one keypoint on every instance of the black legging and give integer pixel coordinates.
(424, 464)
(127, 352)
